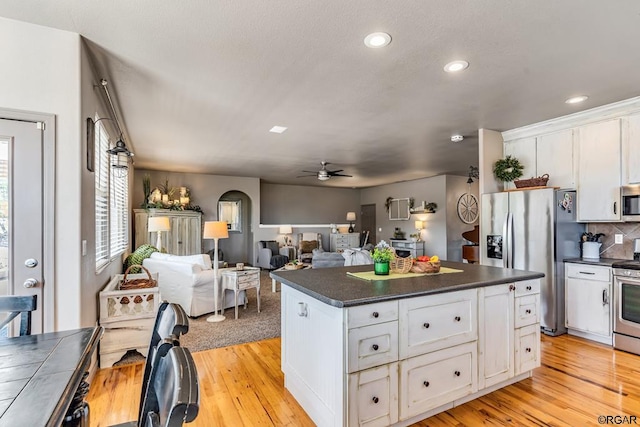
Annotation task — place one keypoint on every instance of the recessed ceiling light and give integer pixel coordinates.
(375, 40)
(277, 129)
(576, 99)
(455, 66)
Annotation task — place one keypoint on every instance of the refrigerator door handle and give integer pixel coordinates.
(509, 237)
(505, 241)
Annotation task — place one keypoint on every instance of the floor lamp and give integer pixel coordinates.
(159, 224)
(215, 230)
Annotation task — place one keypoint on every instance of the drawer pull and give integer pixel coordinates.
(587, 272)
(528, 288)
(375, 399)
(528, 311)
(457, 318)
(457, 373)
(375, 314)
(426, 383)
(512, 287)
(375, 347)
(528, 349)
(425, 325)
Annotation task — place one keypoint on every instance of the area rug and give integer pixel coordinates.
(250, 325)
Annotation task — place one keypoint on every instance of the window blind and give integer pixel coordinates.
(119, 219)
(102, 195)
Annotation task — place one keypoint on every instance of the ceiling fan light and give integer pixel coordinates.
(323, 177)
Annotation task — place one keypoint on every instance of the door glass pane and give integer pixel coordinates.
(4, 222)
(631, 303)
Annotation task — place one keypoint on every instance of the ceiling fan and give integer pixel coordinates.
(324, 174)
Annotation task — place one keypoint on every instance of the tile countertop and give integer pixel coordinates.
(332, 285)
(605, 262)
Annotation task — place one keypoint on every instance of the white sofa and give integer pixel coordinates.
(188, 281)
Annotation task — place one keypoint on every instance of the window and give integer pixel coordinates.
(112, 201)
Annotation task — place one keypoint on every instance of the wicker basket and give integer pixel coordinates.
(139, 283)
(400, 265)
(426, 267)
(540, 181)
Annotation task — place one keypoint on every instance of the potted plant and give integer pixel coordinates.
(382, 254)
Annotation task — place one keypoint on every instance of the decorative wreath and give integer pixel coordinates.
(508, 169)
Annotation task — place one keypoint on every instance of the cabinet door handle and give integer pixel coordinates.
(587, 272)
(457, 373)
(512, 287)
(528, 288)
(425, 325)
(457, 318)
(375, 314)
(302, 309)
(375, 347)
(528, 311)
(375, 399)
(528, 349)
(605, 297)
(426, 383)
(615, 208)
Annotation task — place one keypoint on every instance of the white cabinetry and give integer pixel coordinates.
(631, 150)
(588, 301)
(404, 360)
(554, 156)
(598, 156)
(525, 151)
(341, 241)
(184, 237)
(415, 248)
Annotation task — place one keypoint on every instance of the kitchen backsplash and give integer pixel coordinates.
(609, 249)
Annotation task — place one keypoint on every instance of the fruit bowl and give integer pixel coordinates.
(425, 267)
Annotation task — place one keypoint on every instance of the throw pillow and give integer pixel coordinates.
(273, 246)
(140, 254)
(308, 247)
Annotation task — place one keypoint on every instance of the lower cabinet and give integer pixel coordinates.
(396, 362)
(373, 396)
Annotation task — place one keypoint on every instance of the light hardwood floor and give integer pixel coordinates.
(242, 385)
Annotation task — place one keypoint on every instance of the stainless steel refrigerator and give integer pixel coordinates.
(533, 230)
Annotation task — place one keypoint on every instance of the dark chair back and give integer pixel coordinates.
(171, 322)
(18, 305)
(175, 389)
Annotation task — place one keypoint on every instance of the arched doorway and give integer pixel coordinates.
(235, 207)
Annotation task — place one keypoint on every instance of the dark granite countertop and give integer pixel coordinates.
(605, 262)
(332, 285)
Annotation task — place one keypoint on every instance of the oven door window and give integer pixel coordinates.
(630, 304)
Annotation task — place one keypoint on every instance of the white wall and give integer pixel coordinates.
(41, 73)
(456, 187)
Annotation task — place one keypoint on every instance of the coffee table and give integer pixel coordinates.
(273, 281)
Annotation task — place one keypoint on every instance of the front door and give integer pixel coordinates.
(368, 223)
(21, 213)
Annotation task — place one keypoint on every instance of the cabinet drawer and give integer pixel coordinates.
(371, 346)
(589, 272)
(527, 287)
(434, 379)
(370, 314)
(373, 396)
(527, 348)
(527, 310)
(437, 321)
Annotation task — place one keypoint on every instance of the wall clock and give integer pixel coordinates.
(468, 208)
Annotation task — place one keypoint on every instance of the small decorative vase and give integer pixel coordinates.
(381, 268)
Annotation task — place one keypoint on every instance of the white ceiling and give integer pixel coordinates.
(199, 83)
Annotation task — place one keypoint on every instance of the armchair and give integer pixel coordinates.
(188, 281)
(307, 242)
(268, 256)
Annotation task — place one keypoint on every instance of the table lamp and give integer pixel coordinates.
(158, 224)
(286, 230)
(419, 227)
(215, 230)
(351, 216)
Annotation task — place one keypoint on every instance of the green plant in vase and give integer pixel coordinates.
(382, 254)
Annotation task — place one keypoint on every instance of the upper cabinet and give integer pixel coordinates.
(545, 154)
(631, 150)
(554, 155)
(598, 155)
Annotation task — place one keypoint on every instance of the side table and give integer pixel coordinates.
(239, 280)
(288, 251)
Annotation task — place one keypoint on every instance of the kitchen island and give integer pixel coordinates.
(396, 351)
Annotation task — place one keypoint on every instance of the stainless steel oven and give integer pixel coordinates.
(626, 317)
(631, 203)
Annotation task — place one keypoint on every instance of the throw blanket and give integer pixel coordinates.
(143, 252)
(356, 257)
